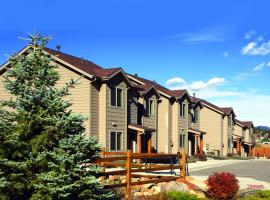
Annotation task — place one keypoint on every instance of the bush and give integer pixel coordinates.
(263, 194)
(222, 186)
(216, 157)
(260, 195)
(201, 157)
(176, 195)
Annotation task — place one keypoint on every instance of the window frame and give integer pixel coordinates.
(150, 110)
(196, 115)
(116, 142)
(181, 138)
(182, 112)
(115, 88)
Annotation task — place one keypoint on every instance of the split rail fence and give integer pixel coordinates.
(136, 163)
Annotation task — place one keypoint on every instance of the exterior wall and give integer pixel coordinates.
(192, 124)
(94, 118)
(211, 122)
(102, 116)
(80, 95)
(226, 149)
(4, 94)
(179, 125)
(116, 119)
(238, 130)
(132, 107)
(151, 120)
(175, 125)
(164, 125)
(183, 124)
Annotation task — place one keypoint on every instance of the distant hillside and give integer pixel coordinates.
(263, 128)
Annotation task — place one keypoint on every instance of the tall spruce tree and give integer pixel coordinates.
(43, 147)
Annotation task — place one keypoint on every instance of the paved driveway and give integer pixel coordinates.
(256, 169)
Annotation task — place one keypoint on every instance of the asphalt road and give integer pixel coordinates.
(257, 169)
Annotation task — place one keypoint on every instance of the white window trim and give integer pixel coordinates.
(183, 141)
(149, 107)
(116, 87)
(122, 139)
(180, 110)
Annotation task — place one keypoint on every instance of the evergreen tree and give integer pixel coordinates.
(43, 147)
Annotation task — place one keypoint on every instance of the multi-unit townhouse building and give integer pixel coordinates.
(126, 111)
(243, 138)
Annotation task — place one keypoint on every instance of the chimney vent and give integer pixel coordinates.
(58, 47)
(136, 75)
(194, 95)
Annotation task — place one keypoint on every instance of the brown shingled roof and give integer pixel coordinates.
(148, 83)
(246, 124)
(225, 110)
(82, 64)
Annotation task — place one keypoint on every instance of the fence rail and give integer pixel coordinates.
(262, 151)
(111, 159)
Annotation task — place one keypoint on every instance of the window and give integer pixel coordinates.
(230, 120)
(196, 116)
(182, 140)
(149, 107)
(116, 97)
(115, 141)
(182, 110)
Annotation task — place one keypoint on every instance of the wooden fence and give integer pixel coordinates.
(262, 151)
(144, 163)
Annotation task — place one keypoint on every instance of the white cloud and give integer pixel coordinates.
(254, 49)
(260, 38)
(175, 82)
(259, 67)
(249, 34)
(208, 34)
(249, 106)
(226, 54)
(248, 48)
(179, 83)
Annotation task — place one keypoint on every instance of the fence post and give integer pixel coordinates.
(102, 155)
(183, 164)
(128, 175)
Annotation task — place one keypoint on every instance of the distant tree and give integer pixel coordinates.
(43, 147)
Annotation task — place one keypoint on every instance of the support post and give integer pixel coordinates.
(201, 146)
(102, 155)
(149, 145)
(183, 163)
(139, 145)
(128, 175)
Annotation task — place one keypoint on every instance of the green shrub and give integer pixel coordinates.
(263, 194)
(176, 195)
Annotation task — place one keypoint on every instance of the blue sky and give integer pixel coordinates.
(218, 49)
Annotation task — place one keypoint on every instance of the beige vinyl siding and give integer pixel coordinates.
(150, 121)
(102, 116)
(80, 95)
(4, 94)
(175, 125)
(183, 124)
(164, 125)
(132, 107)
(225, 136)
(116, 119)
(210, 122)
(95, 110)
(238, 130)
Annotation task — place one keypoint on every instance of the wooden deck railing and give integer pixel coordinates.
(110, 159)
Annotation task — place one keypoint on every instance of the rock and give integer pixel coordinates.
(102, 178)
(156, 189)
(174, 186)
(138, 194)
(113, 177)
(147, 194)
